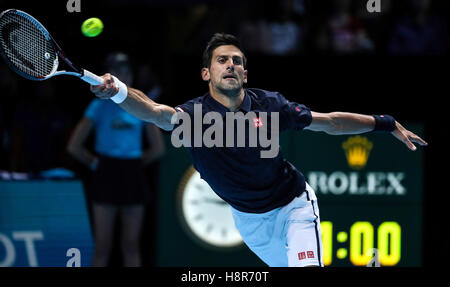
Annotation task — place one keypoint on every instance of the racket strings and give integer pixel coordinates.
(25, 46)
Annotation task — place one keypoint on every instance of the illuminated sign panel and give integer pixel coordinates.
(369, 189)
(44, 224)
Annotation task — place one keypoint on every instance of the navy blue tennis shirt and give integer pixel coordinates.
(239, 175)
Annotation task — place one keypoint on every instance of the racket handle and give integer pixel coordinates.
(91, 78)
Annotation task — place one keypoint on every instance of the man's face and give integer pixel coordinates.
(226, 72)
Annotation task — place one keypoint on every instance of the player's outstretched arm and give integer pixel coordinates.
(340, 123)
(136, 103)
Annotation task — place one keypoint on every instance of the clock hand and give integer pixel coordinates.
(215, 201)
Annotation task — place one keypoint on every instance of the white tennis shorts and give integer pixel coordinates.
(287, 236)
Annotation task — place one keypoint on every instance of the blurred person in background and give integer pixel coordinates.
(276, 28)
(119, 187)
(344, 32)
(377, 24)
(252, 27)
(421, 32)
(285, 31)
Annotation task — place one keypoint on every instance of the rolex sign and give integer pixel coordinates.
(357, 150)
(370, 164)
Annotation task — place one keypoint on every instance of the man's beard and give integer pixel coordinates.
(231, 91)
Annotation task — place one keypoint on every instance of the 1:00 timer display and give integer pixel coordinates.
(362, 238)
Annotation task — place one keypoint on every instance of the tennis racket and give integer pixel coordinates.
(30, 51)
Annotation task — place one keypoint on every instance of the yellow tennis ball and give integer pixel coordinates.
(92, 27)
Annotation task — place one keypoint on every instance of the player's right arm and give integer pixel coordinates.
(142, 107)
(137, 104)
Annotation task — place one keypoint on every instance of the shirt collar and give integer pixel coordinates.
(218, 107)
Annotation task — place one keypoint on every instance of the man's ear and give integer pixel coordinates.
(205, 74)
(245, 76)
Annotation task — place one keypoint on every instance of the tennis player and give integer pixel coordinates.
(274, 208)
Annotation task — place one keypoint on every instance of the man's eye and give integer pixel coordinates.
(221, 60)
(237, 61)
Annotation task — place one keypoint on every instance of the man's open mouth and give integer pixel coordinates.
(230, 77)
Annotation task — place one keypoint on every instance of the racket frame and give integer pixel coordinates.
(83, 74)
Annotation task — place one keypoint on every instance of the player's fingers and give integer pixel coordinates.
(111, 91)
(408, 143)
(107, 77)
(417, 139)
(96, 89)
(106, 90)
(402, 137)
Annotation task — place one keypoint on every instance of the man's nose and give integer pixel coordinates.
(230, 66)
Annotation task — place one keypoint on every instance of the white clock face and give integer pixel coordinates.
(206, 215)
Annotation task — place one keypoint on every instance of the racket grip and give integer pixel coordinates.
(92, 78)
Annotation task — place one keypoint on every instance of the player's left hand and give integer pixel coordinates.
(407, 137)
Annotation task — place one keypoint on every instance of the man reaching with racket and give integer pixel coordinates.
(274, 208)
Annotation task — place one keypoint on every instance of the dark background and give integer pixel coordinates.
(170, 36)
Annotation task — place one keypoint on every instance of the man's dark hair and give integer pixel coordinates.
(220, 39)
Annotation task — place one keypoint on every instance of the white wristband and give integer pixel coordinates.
(123, 91)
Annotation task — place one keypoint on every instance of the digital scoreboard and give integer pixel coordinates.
(369, 189)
